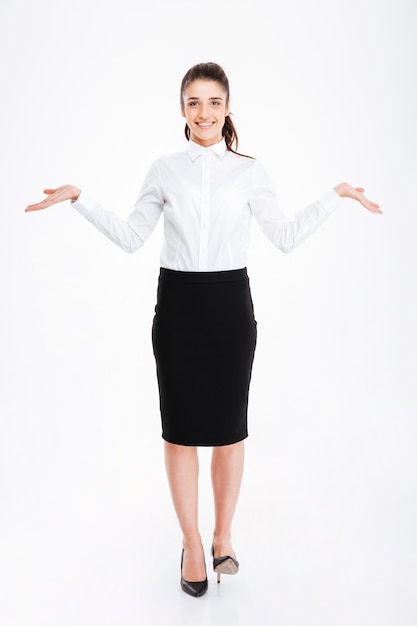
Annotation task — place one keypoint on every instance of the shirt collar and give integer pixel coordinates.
(194, 150)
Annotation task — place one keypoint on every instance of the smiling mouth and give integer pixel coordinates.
(205, 124)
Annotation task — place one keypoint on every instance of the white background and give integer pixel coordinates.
(325, 530)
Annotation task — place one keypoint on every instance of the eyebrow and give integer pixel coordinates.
(214, 98)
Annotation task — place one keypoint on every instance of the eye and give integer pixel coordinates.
(216, 103)
(193, 103)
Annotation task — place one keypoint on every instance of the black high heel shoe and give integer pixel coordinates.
(196, 589)
(224, 564)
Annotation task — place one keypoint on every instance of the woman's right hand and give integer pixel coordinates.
(60, 194)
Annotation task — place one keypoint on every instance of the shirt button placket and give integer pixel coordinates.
(205, 212)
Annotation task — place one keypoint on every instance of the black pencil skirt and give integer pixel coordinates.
(204, 338)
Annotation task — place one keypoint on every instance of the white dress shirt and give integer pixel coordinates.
(208, 196)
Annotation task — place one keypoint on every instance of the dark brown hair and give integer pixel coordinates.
(212, 71)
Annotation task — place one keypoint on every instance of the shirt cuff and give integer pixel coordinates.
(84, 204)
(330, 201)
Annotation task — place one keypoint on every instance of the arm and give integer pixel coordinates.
(288, 234)
(129, 234)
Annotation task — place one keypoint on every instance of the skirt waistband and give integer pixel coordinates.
(224, 276)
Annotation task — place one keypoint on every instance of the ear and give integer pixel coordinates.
(182, 108)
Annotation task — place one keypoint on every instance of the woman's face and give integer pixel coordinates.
(205, 108)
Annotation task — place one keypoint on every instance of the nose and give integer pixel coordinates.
(204, 111)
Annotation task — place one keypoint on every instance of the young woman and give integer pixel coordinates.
(204, 330)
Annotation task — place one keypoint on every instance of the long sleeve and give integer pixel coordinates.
(286, 234)
(132, 233)
(208, 196)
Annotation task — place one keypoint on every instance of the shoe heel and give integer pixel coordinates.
(224, 565)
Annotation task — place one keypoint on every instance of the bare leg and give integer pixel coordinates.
(226, 474)
(182, 469)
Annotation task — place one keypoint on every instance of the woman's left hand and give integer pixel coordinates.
(345, 190)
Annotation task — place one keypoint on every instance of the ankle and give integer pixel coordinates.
(222, 536)
(191, 541)
(222, 544)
